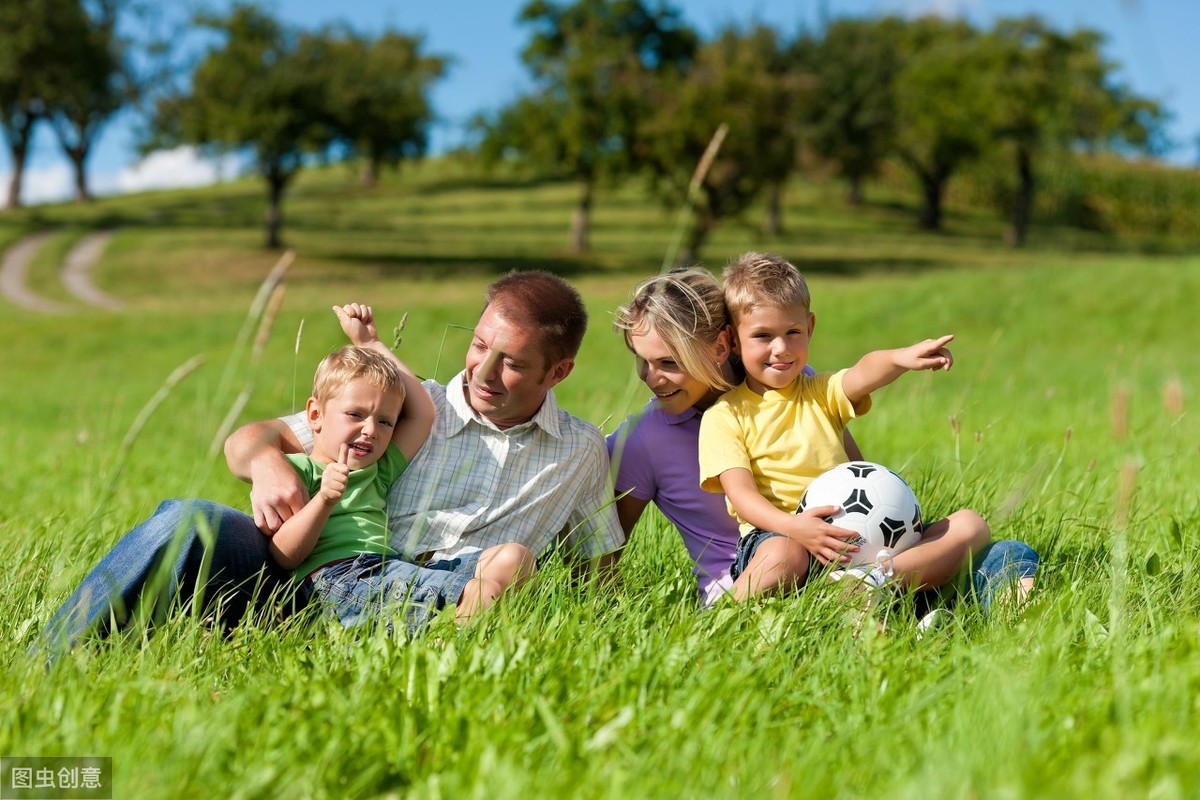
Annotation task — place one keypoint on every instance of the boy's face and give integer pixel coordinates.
(360, 416)
(773, 343)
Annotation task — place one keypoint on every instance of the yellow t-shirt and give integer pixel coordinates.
(785, 437)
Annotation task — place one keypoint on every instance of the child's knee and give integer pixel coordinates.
(970, 529)
(507, 563)
(781, 553)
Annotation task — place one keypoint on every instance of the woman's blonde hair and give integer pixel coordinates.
(686, 308)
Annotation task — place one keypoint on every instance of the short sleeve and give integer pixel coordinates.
(632, 467)
(391, 466)
(722, 446)
(838, 404)
(299, 425)
(594, 529)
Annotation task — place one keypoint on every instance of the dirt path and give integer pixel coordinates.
(77, 271)
(14, 267)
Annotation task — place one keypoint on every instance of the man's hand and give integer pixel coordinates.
(276, 493)
(827, 543)
(358, 323)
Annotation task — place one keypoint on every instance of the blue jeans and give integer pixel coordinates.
(999, 567)
(388, 589)
(164, 560)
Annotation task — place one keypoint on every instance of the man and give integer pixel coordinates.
(503, 464)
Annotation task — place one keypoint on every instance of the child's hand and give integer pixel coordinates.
(827, 543)
(333, 481)
(358, 323)
(929, 354)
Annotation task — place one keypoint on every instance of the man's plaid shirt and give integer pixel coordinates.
(473, 485)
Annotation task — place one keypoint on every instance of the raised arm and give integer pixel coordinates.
(879, 368)
(254, 453)
(418, 412)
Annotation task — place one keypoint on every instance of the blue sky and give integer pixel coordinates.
(1153, 40)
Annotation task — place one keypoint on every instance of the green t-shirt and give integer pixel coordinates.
(358, 523)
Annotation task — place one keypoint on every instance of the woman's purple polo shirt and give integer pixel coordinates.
(659, 464)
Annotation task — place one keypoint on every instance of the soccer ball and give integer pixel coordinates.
(876, 504)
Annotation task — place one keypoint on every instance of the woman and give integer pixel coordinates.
(676, 327)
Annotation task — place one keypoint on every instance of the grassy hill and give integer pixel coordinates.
(1068, 421)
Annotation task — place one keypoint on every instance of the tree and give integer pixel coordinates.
(379, 96)
(35, 49)
(941, 107)
(263, 89)
(1051, 92)
(849, 117)
(93, 85)
(785, 91)
(589, 61)
(731, 83)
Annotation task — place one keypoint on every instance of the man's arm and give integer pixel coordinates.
(254, 453)
(879, 368)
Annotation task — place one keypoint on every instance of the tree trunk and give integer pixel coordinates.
(370, 174)
(855, 195)
(1023, 203)
(14, 181)
(18, 151)
(276, 182)
(932, 186)
(702, 225)
(774, 222)
(581, 222)
(79, 162)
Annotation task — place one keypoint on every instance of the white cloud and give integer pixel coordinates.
(164, 169)
(47, 184)
(172, 169)
(947, 9)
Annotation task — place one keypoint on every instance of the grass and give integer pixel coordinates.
(1074, 368)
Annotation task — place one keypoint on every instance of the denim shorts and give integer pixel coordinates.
(746, 548)
(390, 590)
(1000, 566)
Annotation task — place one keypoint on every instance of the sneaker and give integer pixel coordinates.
(932, 622)
(863, 587)
(868, 578)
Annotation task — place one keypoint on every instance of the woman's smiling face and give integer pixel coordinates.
(676, 390)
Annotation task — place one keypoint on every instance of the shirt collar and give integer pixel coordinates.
(547, 417)
(679, 419)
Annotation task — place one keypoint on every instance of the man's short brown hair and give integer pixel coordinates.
(547, 303)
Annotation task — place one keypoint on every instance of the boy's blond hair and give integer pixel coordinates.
(351, 363)
(763, 279)
(686, 308)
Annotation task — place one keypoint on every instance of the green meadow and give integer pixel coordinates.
(1068, 421)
